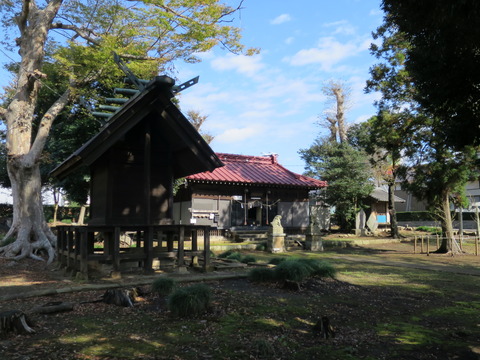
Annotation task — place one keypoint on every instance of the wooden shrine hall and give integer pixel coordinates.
(133, 162)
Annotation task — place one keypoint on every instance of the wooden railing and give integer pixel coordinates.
(76, 245)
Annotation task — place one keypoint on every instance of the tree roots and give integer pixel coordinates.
(30, 241)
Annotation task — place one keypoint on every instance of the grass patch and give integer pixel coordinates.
(431, 229)
(190, 301)
(163, 286)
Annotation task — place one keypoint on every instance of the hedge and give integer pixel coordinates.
(428, 216)
(63, 213)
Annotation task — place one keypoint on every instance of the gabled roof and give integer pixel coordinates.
(263, 170)
(190, 152)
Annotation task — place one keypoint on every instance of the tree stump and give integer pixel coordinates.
(324, 328)
(15, 320)
(121, 297)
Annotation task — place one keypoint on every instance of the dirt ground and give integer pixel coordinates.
(254, 321)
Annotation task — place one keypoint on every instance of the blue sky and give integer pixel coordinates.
(270, 103)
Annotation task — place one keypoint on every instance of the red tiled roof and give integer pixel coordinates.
(254, 170)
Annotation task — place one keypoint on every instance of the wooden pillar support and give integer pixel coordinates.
(148, 248)
(116, 248)
(181, 246)
(206, 248)
(83, 253)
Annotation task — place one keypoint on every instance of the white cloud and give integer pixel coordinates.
(289, 40)
(342, 27)
(238, 134)
(247, 65)
(327, 53)
(281, 19)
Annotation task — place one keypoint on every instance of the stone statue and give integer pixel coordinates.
(276, 225)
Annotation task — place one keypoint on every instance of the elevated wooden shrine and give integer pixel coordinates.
(133, 162)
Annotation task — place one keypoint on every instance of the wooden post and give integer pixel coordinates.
(169, 241)
(116, 248)
(206, 248)
(428, 244)
(83, 254)
(194, 233)
(77, 258)
(438, 242)
(476, 245)
(181, 244)
(69, 249)
(415, 245)
(421, 246)
(138, 239)
(195, 240)
(148, 249)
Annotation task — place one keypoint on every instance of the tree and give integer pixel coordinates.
(386, 138)
(443, 61)
(197, 120)
(151, 35)
(432, 170)
(335, 160)
(347, 173)
(334, 117)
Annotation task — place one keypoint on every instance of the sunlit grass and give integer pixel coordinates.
(409, 334)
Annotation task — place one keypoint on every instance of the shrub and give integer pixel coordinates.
(319, 268)
(192, 300)
(248, 259)
(263, 348)
(261, 246)
(277, 260)
(261, 275)
(293, 270)
(234, 256)
(225, 254)
(163, 286)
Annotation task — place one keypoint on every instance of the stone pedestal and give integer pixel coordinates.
(276, 243)
(313, 242)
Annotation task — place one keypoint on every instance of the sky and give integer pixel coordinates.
(272, 102)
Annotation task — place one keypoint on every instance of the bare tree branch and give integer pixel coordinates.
(21, 19)
(84, 33)
(46, 124)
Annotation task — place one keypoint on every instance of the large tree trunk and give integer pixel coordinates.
(391, 210)
(447, 227)
(29, 226)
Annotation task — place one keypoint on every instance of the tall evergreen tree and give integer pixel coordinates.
(347, 173)
(443, 60)
(432, 169)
